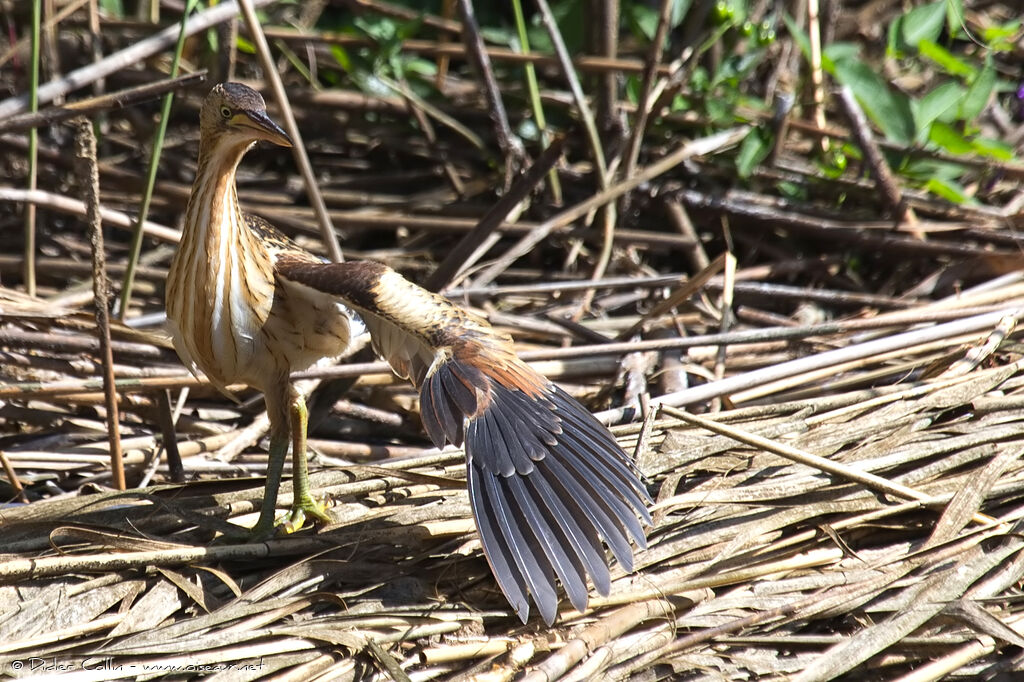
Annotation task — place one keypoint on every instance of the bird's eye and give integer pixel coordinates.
(225, 112)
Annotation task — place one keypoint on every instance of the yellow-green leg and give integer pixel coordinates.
(264, 527)
(302, 500)
(288, 421)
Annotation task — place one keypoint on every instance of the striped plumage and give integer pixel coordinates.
(222, 294)
(229, 313)
(547, 481)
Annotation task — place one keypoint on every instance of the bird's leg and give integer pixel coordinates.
(264, 527)
(288, 420)
(303, 503)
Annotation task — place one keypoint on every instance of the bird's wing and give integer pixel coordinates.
(547, 481)
(273, 238)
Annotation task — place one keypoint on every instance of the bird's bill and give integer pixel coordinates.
(264, 127)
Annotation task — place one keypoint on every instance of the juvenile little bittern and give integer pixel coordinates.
(547, 481)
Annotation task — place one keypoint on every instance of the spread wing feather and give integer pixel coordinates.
(498, 554)
(547, 481)
(528, 559)
(582, 536)
(552, 540)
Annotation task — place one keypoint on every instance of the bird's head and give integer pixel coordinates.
(236, 115)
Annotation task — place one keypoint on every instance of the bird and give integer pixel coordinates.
(547, 482)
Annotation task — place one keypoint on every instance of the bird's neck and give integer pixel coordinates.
(213, 219)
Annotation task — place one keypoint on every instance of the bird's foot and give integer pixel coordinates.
(301, 509)
(261, 532)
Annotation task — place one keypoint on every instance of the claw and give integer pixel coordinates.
(296, 518)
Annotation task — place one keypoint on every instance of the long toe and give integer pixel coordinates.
(301, 510)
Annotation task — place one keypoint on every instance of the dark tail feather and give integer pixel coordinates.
(526, 563)
(447, 397)
(547, 482)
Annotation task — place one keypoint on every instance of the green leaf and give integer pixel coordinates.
(798, 36)
(993, 149)
(244, 45)
(935, 105)
(948, 138)
(955, 20)
(851, 151)
(925, 169)
(381, 29)
(213, 40)
(633, 84)
(979, 93)
(680, 103)
(791, 190)
(946, 60)
(114, 8)
(753, 150)
(700, 81)
(1001, 38)
(499, 35)
(889, 110)
(894, 46)
(833, 162)
(754, 104)
(736, 67)
(719, 110)
(643, 21)
(923, 23)
(342, 57)
(420, 67)
(679, 10)
(947, 189)
(837, 52)
(408, 29)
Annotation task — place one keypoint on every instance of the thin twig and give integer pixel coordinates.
(597, 634)
(29, 270)
(433, 48)
(817, 79)
(727, 313)
(170, 443)
(828, 466)
(154, 162)
(681, 221)
(129, 56)
(85, 143)
(388, 662)
(388, 9)
(513, 152)
(535, 104)
(603, 24)
(93, 105)
(887, 185)
(12, 476)
(65, 204)
(427, 128)
(688, 150)
(606, 210)
(316, 199)
(643, 111)
(730, 385)
(460, 257)
(447, 12)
